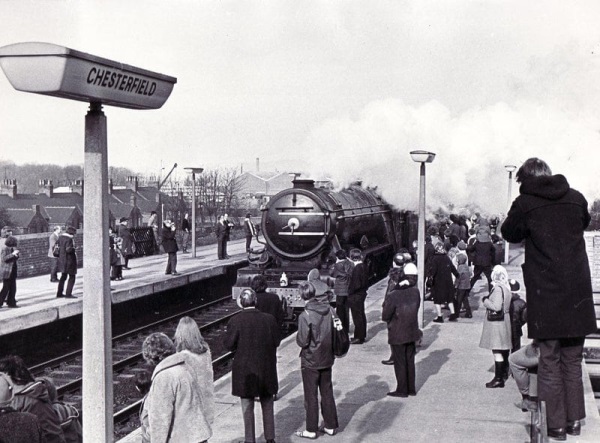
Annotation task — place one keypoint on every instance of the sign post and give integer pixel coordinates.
(48, 69)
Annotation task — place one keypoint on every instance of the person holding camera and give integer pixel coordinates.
(9, 256)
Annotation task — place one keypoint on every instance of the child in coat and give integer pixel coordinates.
(518, 314)
(463, 285)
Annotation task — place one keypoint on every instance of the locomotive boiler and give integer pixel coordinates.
(305, 225)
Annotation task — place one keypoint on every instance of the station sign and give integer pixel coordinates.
(48, 69)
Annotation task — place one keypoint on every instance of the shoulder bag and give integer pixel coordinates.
(340, 339)
(56, 249)
(497, 315)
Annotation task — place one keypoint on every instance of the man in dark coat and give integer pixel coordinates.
(222, 231)
(127, 240)
(254, 337)
(399, 311)
(169, 244)
(250, 230)
(67, 262)
(268, 302)
(359, 283)
(551, 218)
(484, 256)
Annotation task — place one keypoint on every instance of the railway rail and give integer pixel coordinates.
(66, 369)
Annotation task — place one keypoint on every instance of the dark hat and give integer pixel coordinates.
(399, 259)
(122, 219)
(71, 230)
(248, 215)
(514, 285)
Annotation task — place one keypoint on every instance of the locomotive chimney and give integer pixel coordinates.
(257, 164)
(303, 183)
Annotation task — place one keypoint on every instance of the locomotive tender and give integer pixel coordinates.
(305, 225)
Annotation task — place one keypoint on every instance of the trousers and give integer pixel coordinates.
(61, 284)
(266, 404)
(315, 381)
(404, 367)
(356, 302)
(521, 362)
(559, 380)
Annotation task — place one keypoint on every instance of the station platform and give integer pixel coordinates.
(38, 305)
(452, 403)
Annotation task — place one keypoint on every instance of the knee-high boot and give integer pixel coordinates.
(498, 380)
(505, 366)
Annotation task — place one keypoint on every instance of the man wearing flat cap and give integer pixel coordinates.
(250, 229)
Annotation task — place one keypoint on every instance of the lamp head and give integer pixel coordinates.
(422, 156)
(510, 168)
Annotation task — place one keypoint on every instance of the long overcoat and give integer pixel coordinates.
(440, 269)
(169, 242)
(496, 335)
(400, 310)
(67, 258)
(254, 337)
(8, 260)
(127, 240)
(551, 218)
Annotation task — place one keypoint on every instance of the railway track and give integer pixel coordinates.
(66, 370)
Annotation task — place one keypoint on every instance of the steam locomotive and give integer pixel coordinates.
(305, 225)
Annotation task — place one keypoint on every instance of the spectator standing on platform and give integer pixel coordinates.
(9, 255)
(127, 241)
(440, 270)
(250, 230)
(463, 285)
(268, 302)
(16, 426)
(522, 363)
(222, 233)
(316, 360)
(174, 403)
(321, 288)
(31, 395)
(551, 217)
(400, 309)
(484, 256)
(67, 262)
(359, 283)
(496, 335)
(254, 337)
(169, 243)
(189, 342)
(185, 228)
(342, 272)
(153, 223)
(518, 314)
(53, 260)
(68, 415)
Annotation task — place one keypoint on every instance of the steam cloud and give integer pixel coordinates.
(552, 112)
(472, 150)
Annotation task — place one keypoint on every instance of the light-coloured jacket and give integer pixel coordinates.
(51, 240)
(496, 335)
(181, 403)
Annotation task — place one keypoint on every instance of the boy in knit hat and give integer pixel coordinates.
(518, 314)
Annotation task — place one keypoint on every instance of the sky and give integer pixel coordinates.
(338, 89)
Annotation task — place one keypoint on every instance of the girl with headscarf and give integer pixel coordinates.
(496, 335)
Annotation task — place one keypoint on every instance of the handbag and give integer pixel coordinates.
(497, 315)
(340, 338)
(56, 249)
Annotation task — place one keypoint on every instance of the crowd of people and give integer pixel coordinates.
(177, 387)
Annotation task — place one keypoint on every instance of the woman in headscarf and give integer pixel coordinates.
(440, 270)
(496, 335)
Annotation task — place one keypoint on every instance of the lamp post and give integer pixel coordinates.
(510, 169)
(421, 157)
(194, 171)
